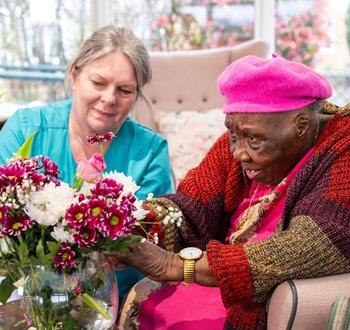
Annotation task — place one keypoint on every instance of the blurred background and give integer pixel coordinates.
(39, 37)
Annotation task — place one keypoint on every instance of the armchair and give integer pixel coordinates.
(305, 304)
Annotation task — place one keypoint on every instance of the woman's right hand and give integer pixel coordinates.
(153, 262)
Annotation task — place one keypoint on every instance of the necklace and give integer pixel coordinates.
(80, 148)
(248, 212)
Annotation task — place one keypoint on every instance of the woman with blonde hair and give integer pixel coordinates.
(105, 80)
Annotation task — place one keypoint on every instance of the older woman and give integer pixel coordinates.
(269, 202)
(105, 78)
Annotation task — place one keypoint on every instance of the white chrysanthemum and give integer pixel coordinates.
(140, 212)
(42, 217)
(128, 183)
(5, 245)
(49, 205)
(62, 235)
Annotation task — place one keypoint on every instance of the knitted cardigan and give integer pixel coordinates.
(312, 240)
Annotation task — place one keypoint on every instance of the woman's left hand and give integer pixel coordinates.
(153, 262)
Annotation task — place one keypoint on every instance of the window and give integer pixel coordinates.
(38, 38)
(315, 32)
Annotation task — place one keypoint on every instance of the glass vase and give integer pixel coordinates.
(47, 299)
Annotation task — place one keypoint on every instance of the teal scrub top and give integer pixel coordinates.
(136, 151)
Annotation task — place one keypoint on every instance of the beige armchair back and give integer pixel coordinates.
(186, 80)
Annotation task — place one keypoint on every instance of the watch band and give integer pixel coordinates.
(189, 270)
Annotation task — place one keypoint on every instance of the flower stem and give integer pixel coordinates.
(102, 149)
(43, 235)
(150, 222)
(90, 302)
(77, 182)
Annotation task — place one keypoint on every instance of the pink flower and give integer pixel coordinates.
(78, 290)
(116, 223)
(65, 257)
(96, 207)
(15, 225)
(77, 215)
(107, 188)
(11, 174)
(98, 138)
(90, 169)
(51, 168)
(86, 237)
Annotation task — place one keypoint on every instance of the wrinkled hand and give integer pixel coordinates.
(152, 261)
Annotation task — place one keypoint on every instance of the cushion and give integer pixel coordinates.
(190, 134)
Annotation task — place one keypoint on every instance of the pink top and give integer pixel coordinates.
(258, 215)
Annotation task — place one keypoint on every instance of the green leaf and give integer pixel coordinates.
(24, 150)
(121, 244)
(6, 289)
(2, 94)
(23, 252)
(53, 247)
(46, 259)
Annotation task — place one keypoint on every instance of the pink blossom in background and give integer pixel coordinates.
(90, 169)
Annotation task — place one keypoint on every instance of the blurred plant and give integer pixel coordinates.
(300, 36)
(347, 22)
(178, 31)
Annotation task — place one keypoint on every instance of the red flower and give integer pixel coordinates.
(98, 138)
(86, 237)
(116, 222)
(11, 174)
(50, 167)
(15, 225)
(38, 179)
(65, 257)
(77, 215)
(3, 211)
(155, 227)
(107, 188)
(78, 290)
(96, 207)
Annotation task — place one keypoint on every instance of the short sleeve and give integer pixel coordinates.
(12, 136)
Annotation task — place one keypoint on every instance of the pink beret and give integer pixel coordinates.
(254, 84)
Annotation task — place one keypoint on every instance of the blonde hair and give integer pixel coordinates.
(110, 39)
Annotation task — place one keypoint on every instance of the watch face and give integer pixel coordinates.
(191, 253)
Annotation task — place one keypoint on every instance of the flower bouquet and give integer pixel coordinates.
(52, 236)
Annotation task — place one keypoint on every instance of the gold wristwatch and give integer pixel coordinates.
(189, 256)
